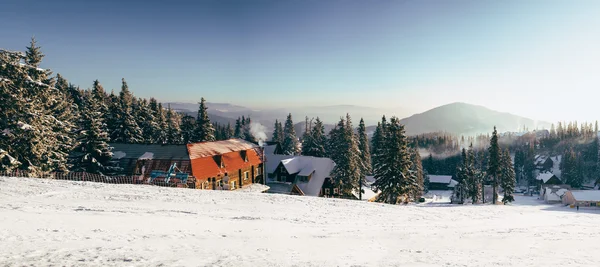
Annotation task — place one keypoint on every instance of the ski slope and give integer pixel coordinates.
(62, 223)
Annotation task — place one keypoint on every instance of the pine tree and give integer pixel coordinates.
(507, 178)
(112, 117)
(365, 153)
(393, 176)
(204, 131)
(494, 164)
(307, 140)
(290, 141)
(147, 121)
(319, 139)
(346, 174)
(247, 127)
(173, 127)
(378, 144)
(239, 129)
(161, 134)
(188, 128)
(127, 130)
(278, 133)
(30, 114)
(417, 170)
(92, 149)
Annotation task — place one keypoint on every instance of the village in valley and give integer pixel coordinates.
(299, 133)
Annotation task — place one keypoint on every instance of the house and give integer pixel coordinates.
(225, 165)
(547, 178)
(141, 159)
(543, 163)
(582, 198)
(441, 182)
(553, 193)
(300, 175)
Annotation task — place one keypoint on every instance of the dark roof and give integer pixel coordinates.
(135, 151)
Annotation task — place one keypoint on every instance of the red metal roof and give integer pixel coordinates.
(204, 167)
(207, 149)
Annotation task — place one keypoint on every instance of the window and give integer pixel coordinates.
(219, 160)
(302, 179)
(326, 191)
(282, 178)
(245, 176)
(335, 191)
(257, 172)
(244, 155)
(233, 185)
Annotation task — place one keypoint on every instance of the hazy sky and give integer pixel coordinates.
(534, 58)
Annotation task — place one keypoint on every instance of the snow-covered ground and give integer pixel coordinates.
(62, 223)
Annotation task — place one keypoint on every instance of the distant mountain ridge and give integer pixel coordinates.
(458, 118)
(467, 119)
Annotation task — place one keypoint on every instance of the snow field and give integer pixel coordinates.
(48, 222)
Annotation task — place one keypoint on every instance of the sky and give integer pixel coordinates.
(538, 59)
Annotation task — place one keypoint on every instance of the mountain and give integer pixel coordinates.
(467, 119)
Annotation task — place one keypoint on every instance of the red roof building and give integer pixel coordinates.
(228, 164)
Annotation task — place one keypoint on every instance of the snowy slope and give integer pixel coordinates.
(45, 222)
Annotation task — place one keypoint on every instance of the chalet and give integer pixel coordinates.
(547, 178)
(543, 163)
(441, 182)
(141, 159)
(299, 175)
(554, 193)
(225, 165)
(583, 198)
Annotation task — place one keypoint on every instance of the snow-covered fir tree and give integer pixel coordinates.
(417, 170)
(346, 174)
(112, 117)
(204, 129)
(290, 141)
(378, 144)
(31, 114)
(494, 157)
(173, 127)
(188, 128)
(127, 131)
(363, 146)
(160, 135)
(277, 132)
(507, 178)
(393, 175)
(315, 141)
(92, 152)
(239, 129)
(247, 128)
(306, 137)
(146, 119)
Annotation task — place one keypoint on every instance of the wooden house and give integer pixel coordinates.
(141, 159)
(298, 175)
(225, 165)
(582, 198)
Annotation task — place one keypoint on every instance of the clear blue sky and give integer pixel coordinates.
(536, 58)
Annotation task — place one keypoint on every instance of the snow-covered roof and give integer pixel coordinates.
(370, 179)
(209, 149)
(544, 177)
(146, 155)
(453, 183)
(320, 168)
(586, 195)
(119, 155)
(440, 179)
